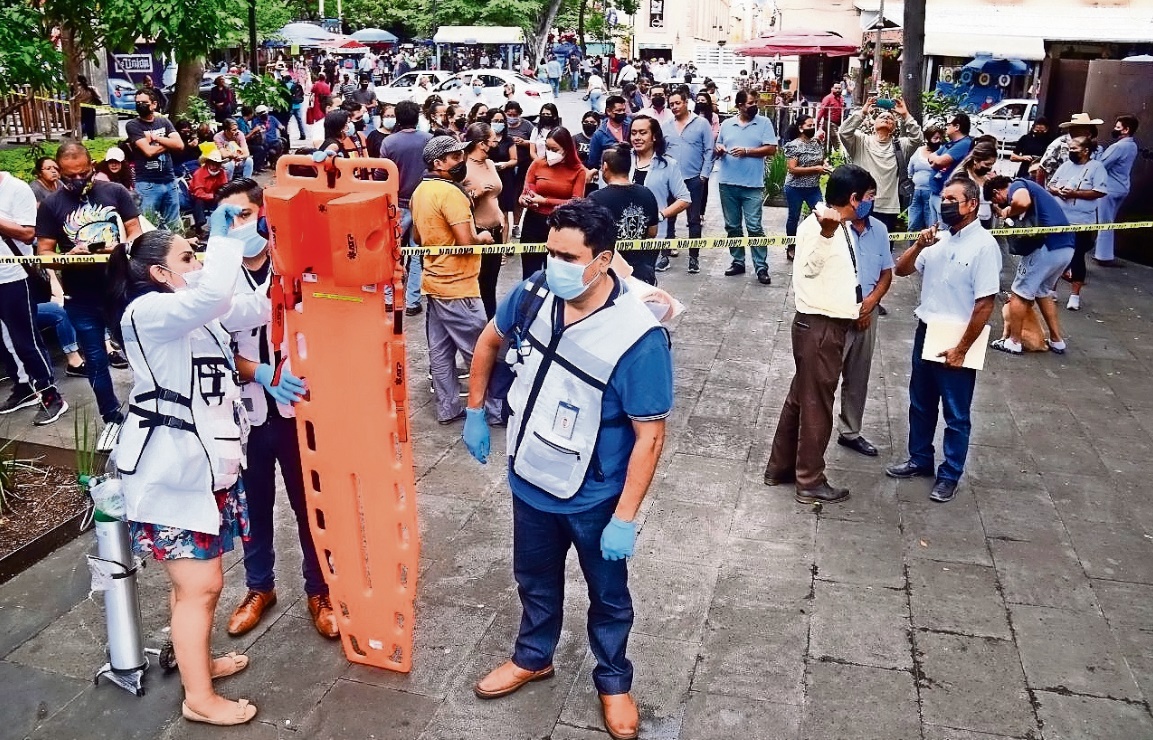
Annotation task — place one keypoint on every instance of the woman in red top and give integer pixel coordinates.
(549, 182)
(320, 90)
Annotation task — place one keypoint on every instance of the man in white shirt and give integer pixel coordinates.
(828, 300)
(22, 351)
(628, 73)
(960, 278)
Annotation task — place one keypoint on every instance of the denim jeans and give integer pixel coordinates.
(298, 116)
(275, 442)
(234, 172)
(555, 82)
(88, 320)
(933, 385)
(922, 214)
(796, 197)
(50, 315)
(597, 102)
(740, 203)
(540, 542)
(201, 210)
(160, 201)
(412, 282)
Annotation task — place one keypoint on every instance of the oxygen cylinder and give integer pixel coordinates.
(121, 605)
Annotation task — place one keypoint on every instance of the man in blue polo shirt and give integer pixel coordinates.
(1039, 271)
(593, 386)
(742, 145)
(957, 146)
(875, 276)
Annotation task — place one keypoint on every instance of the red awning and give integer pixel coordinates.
(800, 42)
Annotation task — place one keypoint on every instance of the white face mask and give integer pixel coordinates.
(553, 158)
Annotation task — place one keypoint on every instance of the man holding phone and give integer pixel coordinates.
(884, 153)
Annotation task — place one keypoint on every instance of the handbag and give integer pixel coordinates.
(905, 186)
(39, 287)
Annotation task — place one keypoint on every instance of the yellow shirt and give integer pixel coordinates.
(824, 278)
(437, 205)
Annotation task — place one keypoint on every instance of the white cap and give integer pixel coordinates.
(114, 154)
(261, 109)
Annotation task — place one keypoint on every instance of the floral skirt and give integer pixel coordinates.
(172, 543)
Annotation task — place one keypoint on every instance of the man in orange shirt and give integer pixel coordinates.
(442, 217)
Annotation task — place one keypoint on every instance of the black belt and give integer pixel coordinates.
(151, 419)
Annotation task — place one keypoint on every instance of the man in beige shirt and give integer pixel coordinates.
(828, 300)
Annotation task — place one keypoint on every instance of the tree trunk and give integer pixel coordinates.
(73, 56)
(913, 56)
(538, 37)
(581, 27)
(189, 72)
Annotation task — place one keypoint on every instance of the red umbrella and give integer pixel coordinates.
(800, 42)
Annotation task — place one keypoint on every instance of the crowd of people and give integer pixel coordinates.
(584, 409)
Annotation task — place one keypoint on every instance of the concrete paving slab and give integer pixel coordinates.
(859, 552)
(683, 532)
(671, 599)
(27, 607)
(754, 652)
(861, 625)
(936, 732)
(957, 597)
(662, 670)
(720, 717)
(852, 702)
(1027, 515)
(1088, 718)
(973, 683)
(32, 696)
(1089, 660)
(1042, 574)
(1114, 551)
(696, 479)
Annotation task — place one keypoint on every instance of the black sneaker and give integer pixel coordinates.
(413, 310)
(77, 371)
(694, 265)
(117, 360)
(662, 263)
(737, 268)
(52, 407)
(21, 398)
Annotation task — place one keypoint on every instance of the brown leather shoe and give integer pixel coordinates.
(507, 678)
(251, 609)
(323, 618)
(621, 718)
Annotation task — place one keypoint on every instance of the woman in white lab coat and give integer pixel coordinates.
(180, 450)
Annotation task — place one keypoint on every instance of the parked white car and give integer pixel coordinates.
(530, 93)
(1008, 120)
(407, 87)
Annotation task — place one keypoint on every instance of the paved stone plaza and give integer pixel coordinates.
(1020, 610)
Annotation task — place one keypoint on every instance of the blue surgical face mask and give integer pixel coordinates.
(864, 210)
(565, 279)
(388, 123)
(254, 243)
(498, 128)
(512, 120)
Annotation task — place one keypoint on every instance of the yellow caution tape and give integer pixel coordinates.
(107, 108)
(714, 242)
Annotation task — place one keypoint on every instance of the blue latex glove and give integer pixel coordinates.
(618, 539)
(220, 222)
(476, 435)
(288, 391)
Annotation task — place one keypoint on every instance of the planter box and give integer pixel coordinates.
(28, 555)
(46, 542)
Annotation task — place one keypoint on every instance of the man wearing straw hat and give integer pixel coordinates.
(1081, 124)
(206, 181)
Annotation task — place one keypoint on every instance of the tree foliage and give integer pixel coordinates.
(27, 57)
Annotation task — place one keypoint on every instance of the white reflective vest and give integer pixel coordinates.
(183, 436)
(560, 382)
(255, 344)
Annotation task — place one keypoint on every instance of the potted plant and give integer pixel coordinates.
(776, 169)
